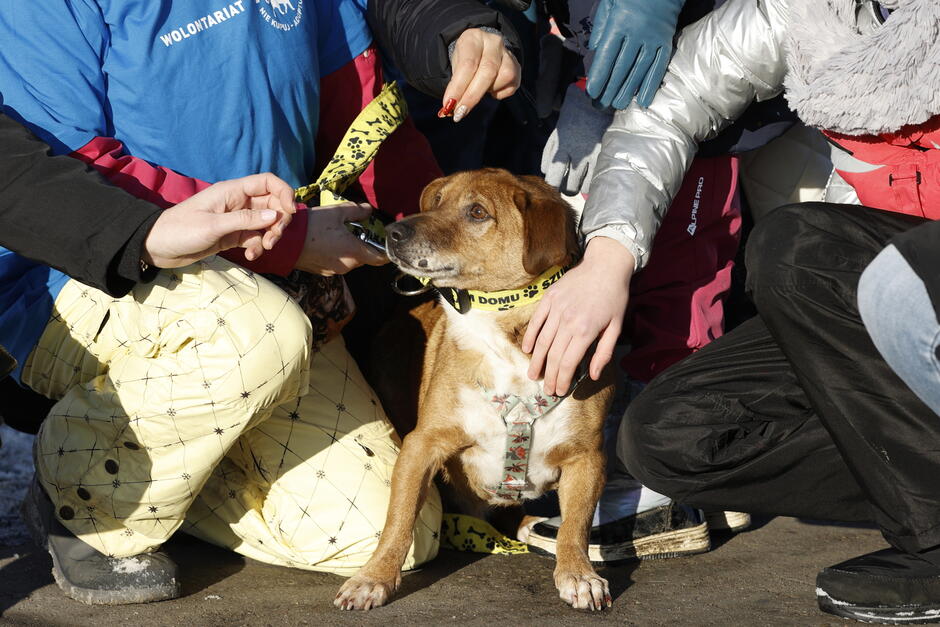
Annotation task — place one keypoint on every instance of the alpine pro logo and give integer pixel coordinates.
(281, 14)
(696, 203)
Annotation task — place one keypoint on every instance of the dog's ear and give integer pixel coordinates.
(548, 224)
(429, 197)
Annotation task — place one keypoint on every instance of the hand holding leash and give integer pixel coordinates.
(330, 248)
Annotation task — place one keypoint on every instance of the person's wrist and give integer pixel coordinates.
(139, 263)
(146, 259)
(611, 255)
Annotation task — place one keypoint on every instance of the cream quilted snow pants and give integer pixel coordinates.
(185, 405)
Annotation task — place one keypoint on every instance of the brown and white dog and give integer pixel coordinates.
(488, 231)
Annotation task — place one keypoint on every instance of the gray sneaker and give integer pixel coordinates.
(86, 575)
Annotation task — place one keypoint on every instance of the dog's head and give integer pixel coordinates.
(485, 230)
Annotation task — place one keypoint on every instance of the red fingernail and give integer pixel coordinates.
(448, 109)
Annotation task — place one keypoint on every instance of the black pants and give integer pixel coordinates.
(794, 412)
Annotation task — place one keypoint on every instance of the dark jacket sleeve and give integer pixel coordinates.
(57, 211)
(415, 34)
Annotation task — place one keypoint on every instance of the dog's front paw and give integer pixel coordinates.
(583, 591)
(363, 593)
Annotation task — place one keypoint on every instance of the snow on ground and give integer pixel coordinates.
(16, 469)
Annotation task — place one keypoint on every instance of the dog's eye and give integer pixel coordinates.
(477, 212)
(437, 199)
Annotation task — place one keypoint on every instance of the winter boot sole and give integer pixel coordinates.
(882, 615)
(33, 520)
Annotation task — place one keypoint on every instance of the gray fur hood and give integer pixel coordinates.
(861, 83)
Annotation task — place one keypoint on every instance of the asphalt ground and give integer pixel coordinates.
(764, 576)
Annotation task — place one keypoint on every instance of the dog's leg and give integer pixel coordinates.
(582, 478)
(422, 455)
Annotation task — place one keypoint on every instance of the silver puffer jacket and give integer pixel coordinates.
(721, 64)
(840, 57)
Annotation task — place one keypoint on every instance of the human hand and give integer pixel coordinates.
(632, 40)
(587, 303)
(481, 65)
(249, 212)
(571, 150)
(329, 247)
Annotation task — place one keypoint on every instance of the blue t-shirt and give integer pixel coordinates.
(213, 90)
(347, 36)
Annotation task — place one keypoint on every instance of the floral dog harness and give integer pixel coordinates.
(520, 413)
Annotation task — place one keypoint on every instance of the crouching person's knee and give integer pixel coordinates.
(278, 362)
(650, 446)
(249, 340)
(773, 248)
(807, 249)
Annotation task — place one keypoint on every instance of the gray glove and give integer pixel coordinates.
(572, 149)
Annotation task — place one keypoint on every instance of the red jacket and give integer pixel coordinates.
(908, 180)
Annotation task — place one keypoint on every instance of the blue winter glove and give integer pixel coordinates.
(632, 40)
(572, 149)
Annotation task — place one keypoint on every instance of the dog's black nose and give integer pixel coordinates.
(400, 232)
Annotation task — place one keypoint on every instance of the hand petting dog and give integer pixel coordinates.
(585, 305)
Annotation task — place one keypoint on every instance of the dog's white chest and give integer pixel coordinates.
(478, 411)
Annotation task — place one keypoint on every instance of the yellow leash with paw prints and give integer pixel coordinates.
(379, 119)
(325, 299)
(467, 533)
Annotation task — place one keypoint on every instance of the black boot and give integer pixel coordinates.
(86, 575)
(888, 586)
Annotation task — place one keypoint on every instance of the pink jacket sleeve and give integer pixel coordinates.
(165, 188)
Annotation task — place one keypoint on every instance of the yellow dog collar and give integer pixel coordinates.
(465, 300)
